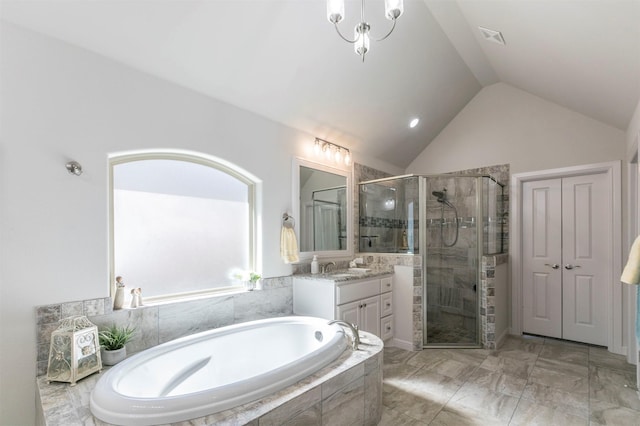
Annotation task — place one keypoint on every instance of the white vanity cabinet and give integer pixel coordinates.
(368, 303)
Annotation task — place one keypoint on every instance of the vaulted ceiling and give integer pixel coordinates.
(282, 59)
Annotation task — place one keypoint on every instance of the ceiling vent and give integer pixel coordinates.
(491, 35)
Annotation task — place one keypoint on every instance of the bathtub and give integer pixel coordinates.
(215, 370)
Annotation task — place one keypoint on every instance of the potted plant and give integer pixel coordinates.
(253, 281)
(249, 279)
(112, 343)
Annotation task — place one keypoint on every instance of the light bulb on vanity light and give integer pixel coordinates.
(326, 148)
(347, 158)
(317, 149)
(338, 155)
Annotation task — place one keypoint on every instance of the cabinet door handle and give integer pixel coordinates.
(360, 306)
(365, 305)
(388, 304)
(388, 328)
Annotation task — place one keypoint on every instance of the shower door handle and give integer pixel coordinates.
(553, 266)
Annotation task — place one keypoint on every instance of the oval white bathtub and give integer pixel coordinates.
(214, 370)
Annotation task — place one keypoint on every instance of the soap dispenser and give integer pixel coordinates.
(314, 265)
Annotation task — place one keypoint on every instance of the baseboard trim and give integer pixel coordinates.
(401, 344)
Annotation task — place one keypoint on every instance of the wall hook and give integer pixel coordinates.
(74, 168)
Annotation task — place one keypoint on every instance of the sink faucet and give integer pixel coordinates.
(354, 332)
(324, 268)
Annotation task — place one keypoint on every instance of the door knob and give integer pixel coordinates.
(553, 266)
(570, 266)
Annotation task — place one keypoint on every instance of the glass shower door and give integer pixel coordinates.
(451, 260)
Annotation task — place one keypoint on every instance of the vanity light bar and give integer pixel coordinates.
(332, 151)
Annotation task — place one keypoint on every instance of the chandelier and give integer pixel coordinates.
(335, 13)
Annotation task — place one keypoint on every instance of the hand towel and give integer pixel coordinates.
(288, 245)
(631, 273)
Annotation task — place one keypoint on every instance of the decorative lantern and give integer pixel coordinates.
(75, 351)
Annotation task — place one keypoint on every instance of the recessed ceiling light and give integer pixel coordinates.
(413, 123)
(492, 35)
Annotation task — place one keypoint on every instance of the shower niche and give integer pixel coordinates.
(450, 221)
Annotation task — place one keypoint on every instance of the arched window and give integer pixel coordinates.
(182, 224)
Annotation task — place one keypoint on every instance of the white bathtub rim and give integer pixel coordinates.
(279, 379)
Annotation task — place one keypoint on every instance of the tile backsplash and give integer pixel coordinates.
(160, 323)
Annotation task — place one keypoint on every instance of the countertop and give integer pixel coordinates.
(345, 275)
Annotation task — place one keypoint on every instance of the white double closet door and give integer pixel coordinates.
(566, 229)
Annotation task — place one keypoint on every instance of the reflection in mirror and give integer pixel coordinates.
(323, 209)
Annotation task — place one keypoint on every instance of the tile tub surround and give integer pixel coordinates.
(347, 391)
(160, 323)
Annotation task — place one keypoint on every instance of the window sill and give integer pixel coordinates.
(186, 297)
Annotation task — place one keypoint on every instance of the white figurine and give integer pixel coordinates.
(136, 297)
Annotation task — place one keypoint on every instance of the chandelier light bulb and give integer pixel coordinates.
(335, 11)
(361, 33)
(393, 9)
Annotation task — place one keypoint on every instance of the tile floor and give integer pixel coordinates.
(528, 381)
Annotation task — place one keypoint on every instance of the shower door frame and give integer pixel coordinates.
(422, 191)
(422, 253)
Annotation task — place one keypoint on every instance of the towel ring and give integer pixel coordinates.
(288, 221)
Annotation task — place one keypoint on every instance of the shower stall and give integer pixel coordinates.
(450, 221)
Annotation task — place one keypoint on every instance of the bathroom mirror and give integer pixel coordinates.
(322, 209)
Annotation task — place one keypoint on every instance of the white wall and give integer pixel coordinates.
(403, 307)
(633, 139)
(503, 125)
(61, 103)
(634, 128)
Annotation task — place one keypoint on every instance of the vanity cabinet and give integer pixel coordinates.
(367, 303)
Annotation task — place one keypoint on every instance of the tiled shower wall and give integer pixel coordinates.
(160, 323)
(489, 334)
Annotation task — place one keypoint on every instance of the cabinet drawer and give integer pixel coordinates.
(386, 305)
(386, 327)
(386, 284)
(349, 292)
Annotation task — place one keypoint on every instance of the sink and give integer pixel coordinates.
(341, 275)
(359, 270)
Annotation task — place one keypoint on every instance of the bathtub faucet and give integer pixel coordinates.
(354, 332)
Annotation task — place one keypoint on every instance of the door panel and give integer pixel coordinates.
(349, 312)
(370, 315)
(586, 263)
(583, 300)
(542, 290)
(541, 241)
